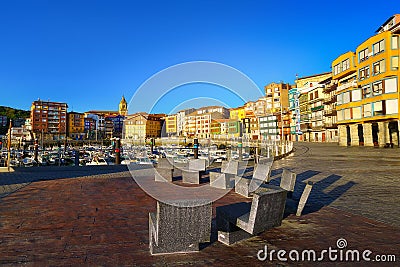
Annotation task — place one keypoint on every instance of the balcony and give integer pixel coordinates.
(330, 112)
(304, 127)
(347, 85)
(317, 108)
(330, 125)
(330, 88)
(330, 100)
(316, 118)
(318, 128)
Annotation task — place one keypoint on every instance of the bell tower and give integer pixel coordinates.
(123, 107)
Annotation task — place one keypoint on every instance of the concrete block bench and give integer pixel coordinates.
(226, 178)
(245, 186)
(239, 221)
(193, 172)
(164, 170)
(288, 181)
(179, 226)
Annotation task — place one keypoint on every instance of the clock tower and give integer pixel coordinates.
(123, 107)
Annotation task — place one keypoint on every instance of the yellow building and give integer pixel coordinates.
(76, 125)
(368, 93)
(277, 97)
(140, 126)
(171, 126)
(237, 113)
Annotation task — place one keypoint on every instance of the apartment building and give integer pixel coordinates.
(181, 120)
(76, 125)
(140, 126)
(367, 105)
(276, 112)
(309, 97)
(171, 126)
(49, 119)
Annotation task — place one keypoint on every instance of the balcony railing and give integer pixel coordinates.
(317, 108)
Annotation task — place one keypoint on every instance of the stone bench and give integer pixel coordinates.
(194, 170)
(245, 186)
(288, 181)
(164, 170)
(226, 178)
(239, 221)
(179, 226)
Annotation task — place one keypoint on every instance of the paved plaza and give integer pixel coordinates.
(99, 216)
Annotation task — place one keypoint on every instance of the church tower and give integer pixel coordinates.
(123, 107)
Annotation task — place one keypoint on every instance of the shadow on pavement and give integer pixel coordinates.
(318, 197)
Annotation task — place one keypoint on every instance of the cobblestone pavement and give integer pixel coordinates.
(359, 180)
(99, 216)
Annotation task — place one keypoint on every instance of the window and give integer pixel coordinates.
(345, 64)
(356, 113)
(391, 85)
(377, 88)
(392, 106)
(346, 97)
(316, 94)
(395, 63)
(363, 55)
(395, 42)
(379, 108)
(378, 47)
(366, 91)
(335, 69)
(356, 95)
(367, 110)
(379, 67)
(339, 99)
(364, 73)
(340, 115)
(347, 114)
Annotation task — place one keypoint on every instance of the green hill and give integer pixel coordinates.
(13, 114)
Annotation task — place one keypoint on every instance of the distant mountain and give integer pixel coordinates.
(13, 113)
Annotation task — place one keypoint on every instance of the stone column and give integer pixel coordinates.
(355, 141)
(383, 134)
(367, 130)
(342, 135)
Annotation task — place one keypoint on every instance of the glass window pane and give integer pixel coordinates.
(392, 106)
(391, 85)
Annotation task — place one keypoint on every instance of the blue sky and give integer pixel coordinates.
(90, 53)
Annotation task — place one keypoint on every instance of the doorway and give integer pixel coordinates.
(360, 130)
(375, 131)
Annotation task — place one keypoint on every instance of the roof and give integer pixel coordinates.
(387, 21)
(314, 75)
(102, 111)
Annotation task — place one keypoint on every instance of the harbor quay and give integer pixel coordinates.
(99, 215)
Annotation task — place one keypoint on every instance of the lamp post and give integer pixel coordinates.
(9, 147)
